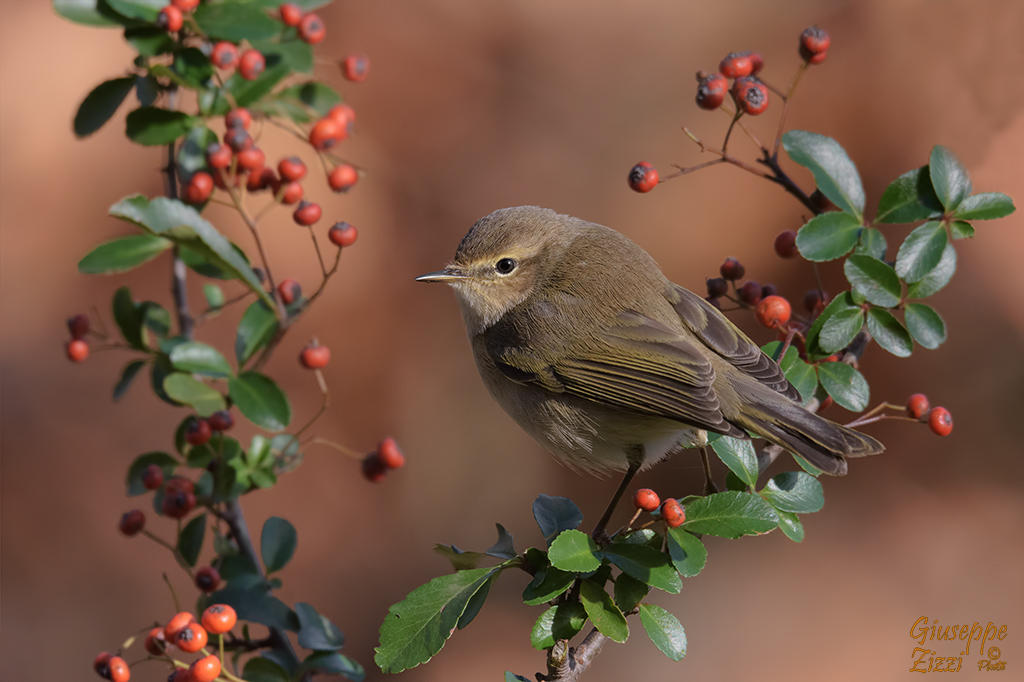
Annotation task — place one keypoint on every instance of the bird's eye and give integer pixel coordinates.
(505, 266)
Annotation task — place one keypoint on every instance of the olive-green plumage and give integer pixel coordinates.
(609, 365)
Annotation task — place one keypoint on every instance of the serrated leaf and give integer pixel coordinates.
(794, 491)
(730, 515)
(205, 400)
(278, 540)
(127, 377)
(739, 456)
(843, 301)
(828, 236)
(847, 386)
(834, 172)
(100, 104)
(574, 551)
(665, 631)
(872, 243)
(687, 551)
(937, 278)
(133, 481)
(190, 541)
(256, 328)
(921, 251)
(122, 254)
(559, 622)
(603, 612)
(548, 583)
(261, 400)
(156, 126)
(235, 22)
(949, 177)
(645, 564)
(629, 592)
(925, 325)
(985, 206)
(198, 358)
(791, 525)
(316, 632)
(331, 663)
(874, 280)
(889, 333)
(840, 329)
(909, 198)
(555, 514)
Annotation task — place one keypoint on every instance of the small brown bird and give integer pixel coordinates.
(606, 363)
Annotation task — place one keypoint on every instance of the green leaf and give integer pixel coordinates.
(629, 592)
(574, 551)
(985, 206)
(548, 583)
(645, 564)
(133, 481)
(794, 491)
(925, 325)
(147, 89)
(87, 12)
(161, 370)
(791, 525)
(958, 229)
(128, 317)
(259, 669)
(555, 514)
(739, 456)
(730, 515)
(146, 10)
(255, 330)
(949, 177)
(155, 126)
(921, 251)
(834, 172)
(687, 551)
(192, 154)
(512, 677)
(803, 378)
(843, 301)
(246, 92)
(200, 456)
(100, 104)
(235, 22)
(260, 400)
(889, 333)
(331, 663)
(417, 627)
(149, 41)
(476, 602)
(872, 243)
(277, 544)
(559, 622)
(297, 55)
(847, 386)
(190, 541)
(127, 377)
(122, 254)
(909, 198)
(828, 236)
(937, 278)
(256, 606)
(193, 66)
(315, 631)
(665, 631)
(874, 280)
(198, 358)
(298, 99)
(840, 329)
(603, 612)
(205, 400)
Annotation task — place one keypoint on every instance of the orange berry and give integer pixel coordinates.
(773, 311)
(736, 65)
(251, 64)
(170, 19)
(751, 96)
(180, 675)
(119, 671)
(940, 421)
(815, 40)
(290, 291)
(307, 213)
(156, 643)
(185, 5)
(325, 134)
(342, 234)
(345, 117)
(238, 139)
(917, 406)
(290, 13)
(251, 159)
(643, 177)
(132, 522)
(756, 63)
(343, 178)
(711, 91)
(292, 168)
(219, 618)
(288, 193)
(199, 188)
(315, 356)
(77, 350)
(218, 156)
(311, 29)
(207, 579)
(672, 512)
(238, 118)
(646, 499)
(355, 67)
(389, 454)
(205, 669)
(224, 55)
(826, 403)
(192, 638)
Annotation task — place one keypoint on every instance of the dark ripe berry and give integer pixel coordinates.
(78, 325)
(643, 177)
(290, 13)
(940, 421)
(238, 139)
(345, 117)
(773, 311)
(311, 29)
(711, 91)
(221, 420)
(259, 180)
(646, 499)
(77, 350)
(177, 504)
(355, 67)
(307, 213)
(717, 287)
(814, 301)
(251, 159)
(373, 469)
(178, 484)
(343, 178)
(185, 5)
(224, 55)
(198, 432)
(290, 291)
(218, 156)
(732, 269)
(815, 40)
(673, 513)
(768, 290)
(132, 522)
(205, 669)
(315, 356)
(325, 134)
(221, 178)
(207, 579)
(713, 302)
(119, 671)
(152, 477)
(238, 118)
(251, 64)
(156, 643)
(751, 96)
(918, 406)
(289, 193)
(342, 234)
(192, 638)
(750, 292)
(756, 63)
(219, 618)
(199, 188)
(170, 19)
(102, 664)
(389, 454)
(736, 65)
(176, 624)
(785, 244)
(813, 57)
(292, 168)
(180, 675)
(822, 202)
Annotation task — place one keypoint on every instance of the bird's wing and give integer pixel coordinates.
(724, 338)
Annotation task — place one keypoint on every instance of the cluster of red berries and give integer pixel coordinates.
(939, 420)
(771, 310)
(672, 512)
(386, 457)
(748, 92)
(814, 44)
(77, 348)
(310, 26)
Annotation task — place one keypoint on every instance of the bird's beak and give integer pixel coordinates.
(449, 274)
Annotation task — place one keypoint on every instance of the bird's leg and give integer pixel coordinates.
(709, 485)
(600, 535)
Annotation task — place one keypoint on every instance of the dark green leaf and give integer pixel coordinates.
(200, 456)
(925, 325)
(235, 22)
(297, 55)
(840, 329)
(128, 318)
(555, 514)
(512, 677)
(190, 541)
(805, 465)
(828, 236)
(739, 456)
(163, 71)
(937, 278)
(234, 566)
(872, 243)
(259, 669)
(302, 98)
(158, 320)
(949, 177)
(803, 378)
(834, 172)
(921, 251)
(161, 370)
(205, 400)
(256, 606)
(147, 90)
(503, 547)
(246, 92)
(127, 377)
(146, 10)
(874, 280)
(193, 66)
(908, 199)
(192, 154)
(156, 126)
(149, 41)
(664, 630)
(985, 206)
(847, 386)
(843, 301)
(100, 104)
(88, 12)
(476, 602)
(730, 515)
(277, 544)
(889, 333)
(255, 330)
(315, 631)
(261, 400)
(603, 612)
(198, 358)
(791, 525)
(958, 229)
(199, 264)
(645, 564)
(559, 622)
(794, 491)
(574, 551)
(629, 592)
(332, 663)
(461, 560)
(133, 481)
(687, 551)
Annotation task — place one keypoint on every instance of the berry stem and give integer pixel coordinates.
(236, 198)
(684, 171)
(174, 595)
(753, 138)
(174, 550)
(728, 133)
(726, 156)
(785, 107)
(348, 452)
(319, 256)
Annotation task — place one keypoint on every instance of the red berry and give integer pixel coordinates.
(156, 643)
(238, 139)
(814, 301)
(342, 234)
(77, 350)
(180, 675)
(221, 420)
(355, 67)
(224, 55)
(238, 118)
(176, 624)
(218, 156)
(205, 669)
(251, 159)
(170, 19)
(773, 311)
(259, 179)
(756, 63)
(717, 287)
(815, 40)
(343, 178)
(732, 270)
(325, 134)
(768, 290)
(751, 96)
(785, 244)
(711, 91)
(207, 579)
(153, 477)
(749, 293)
(826, 403)
(185, 5)
(179, 484)
(672, 512)
(198, 432)
(311, 29)
(290, 291)
(713, 302)
(646, 499)
(373, 469)
(940, 421)
(119, 671)
(736, 65)
(177, 504)
(199, 188)
(288, 193)
(389, 454)
(192, 638)
(315, 356)
(102, 664)
(292, 168)
(251, 64)
(290, 13)
(813, 57)
(345, 117)
(643, 177)
(132, 522)
(917, 406)
(307, 213)
(78, 326)
(219, 618)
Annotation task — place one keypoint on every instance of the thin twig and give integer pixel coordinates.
(785, 107)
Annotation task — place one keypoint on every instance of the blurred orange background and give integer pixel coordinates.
(470, 107)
